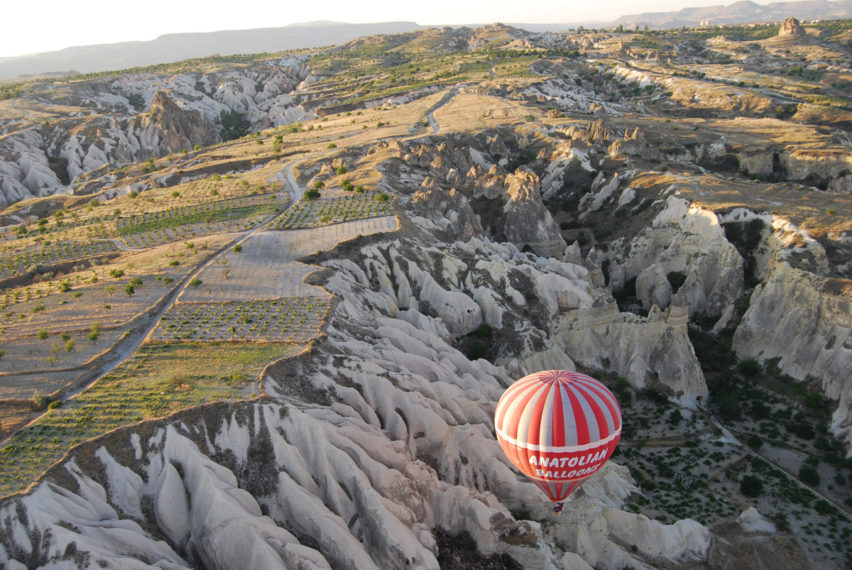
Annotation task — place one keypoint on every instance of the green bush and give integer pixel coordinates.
(808, 474)
(754, 442)
(232, 125)
(751, 486)
(676, 279)
(749, 368)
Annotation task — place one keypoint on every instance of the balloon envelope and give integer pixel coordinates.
(558, 428)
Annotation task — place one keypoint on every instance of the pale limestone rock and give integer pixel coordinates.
(685, 540)
(170, 506)
(601, 192)
(527, 221)
(806, 322)
(752, 521)
(686, 239)
(791, 27)
(648, 352)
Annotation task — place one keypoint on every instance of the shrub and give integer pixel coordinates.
(751, 486)
(238, 248)
(675, 417)
(232, 125)
(43, 334)
(728, 405)
(676, 279)
(484, 331)
(117, 273)
(129, 290)
(749, 368)
(754, 441)
(195, 282)
(40, 401)
(808, 474)
(476, 350)
(341, 169)
(312, 194)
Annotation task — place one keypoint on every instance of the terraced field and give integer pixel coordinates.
(291, 319)
(308, 213)
(187, 222)
(160, 379)
(266, 267)
(54, 252)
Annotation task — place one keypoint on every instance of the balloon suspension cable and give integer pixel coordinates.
(557, 508)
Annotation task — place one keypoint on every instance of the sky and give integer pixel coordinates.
(31, 26)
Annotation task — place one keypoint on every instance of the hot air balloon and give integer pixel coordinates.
(558, 428)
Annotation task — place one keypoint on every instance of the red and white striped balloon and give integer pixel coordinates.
(558, 428)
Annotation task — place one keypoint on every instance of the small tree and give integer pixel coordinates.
(808, 474)
(751, 486)
(129, 290)
(232, 125)
(749, 368)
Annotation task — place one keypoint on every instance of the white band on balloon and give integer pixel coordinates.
(551, 449)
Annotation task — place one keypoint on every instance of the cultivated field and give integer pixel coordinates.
(291, 319)
(158, 380)
(265, 266)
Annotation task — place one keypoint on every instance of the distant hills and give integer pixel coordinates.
(177, 47)
(741, 13)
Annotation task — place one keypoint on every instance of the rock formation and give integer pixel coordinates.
(791, 27)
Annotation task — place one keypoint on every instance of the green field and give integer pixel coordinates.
(158, 380)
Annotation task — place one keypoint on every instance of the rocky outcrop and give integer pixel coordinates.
(527, 221)
(509, 205)
(113, 127)
(650, 352)
(167, 128)
(791, 27)
(800, 165)
(688, 241)
(805, 321)
(633, 144)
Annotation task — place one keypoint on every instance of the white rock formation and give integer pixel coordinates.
(804, 321)
(687, 239)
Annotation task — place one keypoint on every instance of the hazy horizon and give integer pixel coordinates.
(98, 22)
